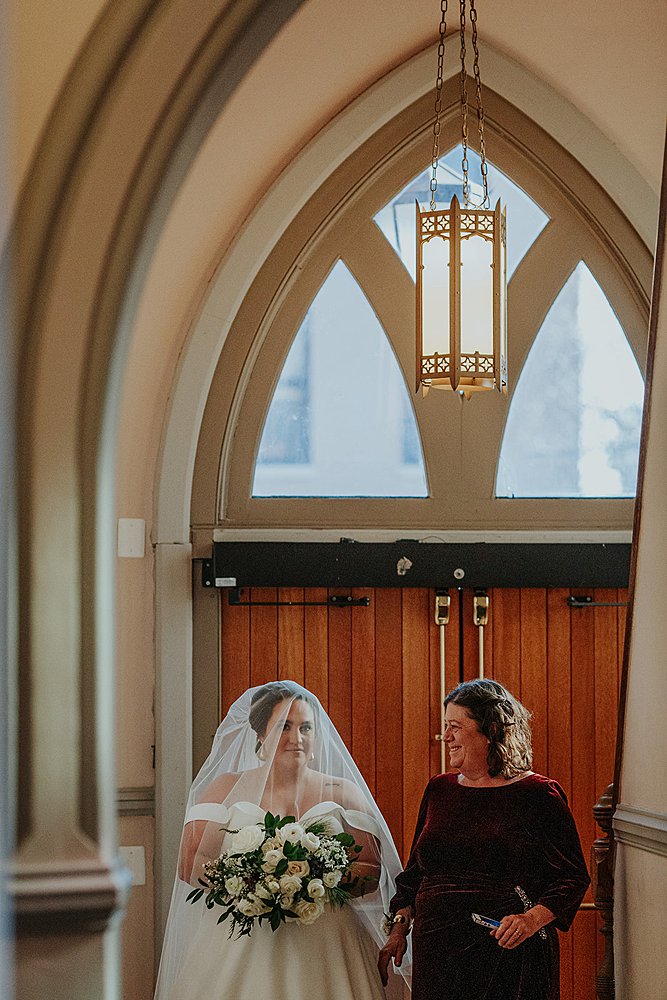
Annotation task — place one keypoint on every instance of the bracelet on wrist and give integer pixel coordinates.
(391, 919)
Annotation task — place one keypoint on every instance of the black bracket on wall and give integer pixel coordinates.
(334, 601)
(585, 601)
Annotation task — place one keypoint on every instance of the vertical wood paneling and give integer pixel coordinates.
(389, 709)
(506, 638)
(416, 761)
(606, 695)
(559, 675)
(534, 669)
(234, 651)
(436, 696)
(583, 724)
(470, 639)
(316, 645)
(363, 686)
(377, 672)
(340, 671)
(291, 636)
(263, 637)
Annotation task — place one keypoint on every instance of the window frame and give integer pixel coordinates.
(337, 222)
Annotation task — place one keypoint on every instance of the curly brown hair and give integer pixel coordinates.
(503, 720)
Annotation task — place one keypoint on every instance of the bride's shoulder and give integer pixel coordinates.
(220, 787)
(343, 792)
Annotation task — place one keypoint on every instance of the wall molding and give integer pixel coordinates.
(640, 828)
(138, 801)
(82, 896)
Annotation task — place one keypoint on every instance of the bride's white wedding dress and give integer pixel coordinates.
(333, 958)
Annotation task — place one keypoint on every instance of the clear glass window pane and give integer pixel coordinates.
(525, 219)
(574, 424)
(341, 423)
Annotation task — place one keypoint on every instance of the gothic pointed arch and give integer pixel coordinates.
(340, 422)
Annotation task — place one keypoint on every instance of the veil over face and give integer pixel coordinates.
(277, 750)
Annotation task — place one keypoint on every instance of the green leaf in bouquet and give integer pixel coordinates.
(281, 867)
(346, 839)
(275, 919)
(270, 823)
(357, 848)
(195, 895)
(284, 821)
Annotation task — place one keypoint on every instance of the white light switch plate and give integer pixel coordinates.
(131, 537)
(134, 858)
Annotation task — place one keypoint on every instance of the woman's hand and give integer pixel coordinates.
(516, 928)
(395, 948)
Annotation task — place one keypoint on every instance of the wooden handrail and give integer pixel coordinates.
(602, 872)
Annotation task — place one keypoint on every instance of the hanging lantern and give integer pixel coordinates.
(461, 266)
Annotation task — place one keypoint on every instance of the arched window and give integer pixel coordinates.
(573, 426)
(397, 218)
(340, 423)
(314, 394)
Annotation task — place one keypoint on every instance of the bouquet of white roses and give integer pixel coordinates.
(280, 871)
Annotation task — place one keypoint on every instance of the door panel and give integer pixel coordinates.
(376, 670)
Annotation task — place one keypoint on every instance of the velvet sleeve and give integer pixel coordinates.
(566, 876)
(407, 883)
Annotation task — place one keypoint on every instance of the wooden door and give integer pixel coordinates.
(376, 670)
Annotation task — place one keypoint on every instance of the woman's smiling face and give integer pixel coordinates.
(466, 745)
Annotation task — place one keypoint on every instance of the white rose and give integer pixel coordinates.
(248, 838)
(252, 906)
(272, 859)
(298, 868)
(270, 844)
(315, 888)
(309, 912)
(310, 841)
(273, 885)
(234, 885)
(289, 884)
(331, 879)
(263, 892)
(292, 832)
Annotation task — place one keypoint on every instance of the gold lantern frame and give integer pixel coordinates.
(454, 369)
(451, 368)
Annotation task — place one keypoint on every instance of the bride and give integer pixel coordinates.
(277, 750)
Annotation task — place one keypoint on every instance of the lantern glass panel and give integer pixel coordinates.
(476, 296)
(435, 296)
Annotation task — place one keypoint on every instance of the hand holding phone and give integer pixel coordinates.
(485, 921)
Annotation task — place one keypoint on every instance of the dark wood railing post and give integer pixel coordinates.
(602, 873)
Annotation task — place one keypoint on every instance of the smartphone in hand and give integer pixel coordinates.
(485, 921)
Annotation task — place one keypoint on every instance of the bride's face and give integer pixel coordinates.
(292, 735)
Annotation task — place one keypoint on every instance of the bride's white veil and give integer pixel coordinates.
(238, 773)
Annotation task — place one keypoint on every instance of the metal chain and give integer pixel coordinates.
(480, 107)
(464, 104)
(438, 102)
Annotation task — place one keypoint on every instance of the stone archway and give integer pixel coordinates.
(89, 216)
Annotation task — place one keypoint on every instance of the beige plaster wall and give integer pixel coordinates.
(138, 926)
(46, 38)
(641, 818)
(639, 934)
(645, 746)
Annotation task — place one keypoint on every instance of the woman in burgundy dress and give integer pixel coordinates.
(498, 840)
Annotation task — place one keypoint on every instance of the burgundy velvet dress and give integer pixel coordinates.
(472, 847)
